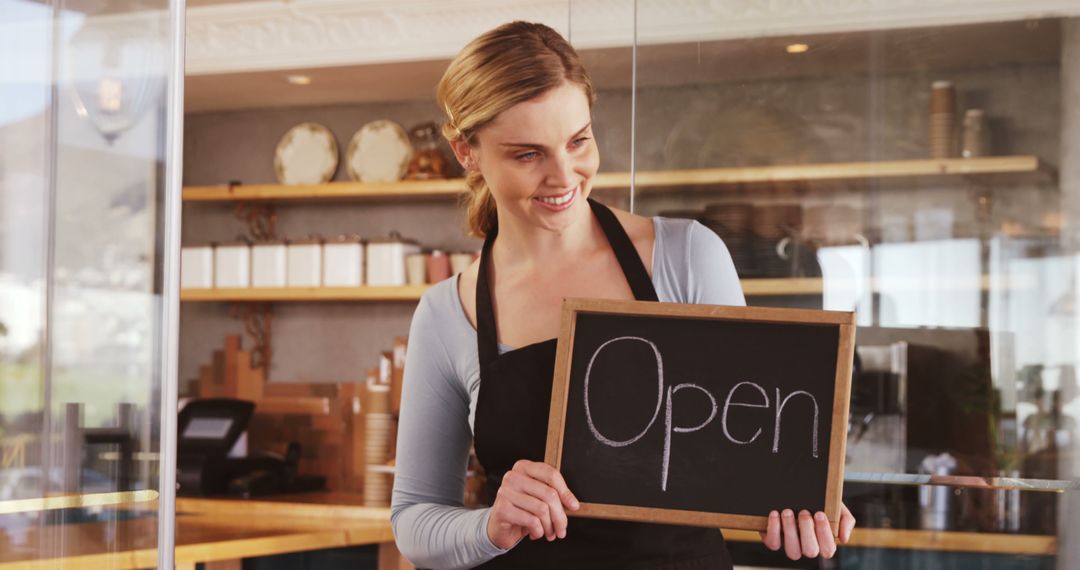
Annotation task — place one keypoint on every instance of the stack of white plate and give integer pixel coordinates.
(378, 439)
(378, 485)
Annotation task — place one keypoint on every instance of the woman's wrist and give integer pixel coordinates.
(490, 532)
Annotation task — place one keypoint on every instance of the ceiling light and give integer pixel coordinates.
(298, 79)
(797, 48)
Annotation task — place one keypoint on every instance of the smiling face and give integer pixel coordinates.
(539, 159)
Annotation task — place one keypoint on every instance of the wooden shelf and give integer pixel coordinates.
(407, 293)
(325, 505)
(755, 287)
(304, 405)
(794, 286)
(827, 171)
(646, 180)
(404, 190)
(816, 285)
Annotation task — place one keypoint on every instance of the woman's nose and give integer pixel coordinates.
(561, 171)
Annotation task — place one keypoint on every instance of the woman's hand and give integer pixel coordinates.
(531, 501)
(807, 536)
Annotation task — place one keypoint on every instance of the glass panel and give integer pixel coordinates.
(925, 178)
(83, 133)
(604, 39)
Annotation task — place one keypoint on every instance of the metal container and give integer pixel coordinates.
(976, 137)
(268, 264)
(343, 262)
(232, 265)
(438, 266)
(197, 266)
(942, 120)
(304, 263)
(386, 260)
(937, 503)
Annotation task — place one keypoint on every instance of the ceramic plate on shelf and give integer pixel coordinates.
(378, 152)
(307, 154)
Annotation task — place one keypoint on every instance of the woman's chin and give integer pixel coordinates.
(560, 221)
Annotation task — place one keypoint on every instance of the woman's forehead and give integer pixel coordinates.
(557, 114)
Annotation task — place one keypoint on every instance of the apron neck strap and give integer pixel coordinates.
(630, 262)
(632, 266)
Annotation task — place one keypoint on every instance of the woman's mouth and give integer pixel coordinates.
(559, 202)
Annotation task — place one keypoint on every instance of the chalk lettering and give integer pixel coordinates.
(659, 392)
(780, 409)
(728, 403)
(677, 429)
(665, 400)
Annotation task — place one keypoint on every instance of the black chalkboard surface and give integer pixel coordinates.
(700, 414)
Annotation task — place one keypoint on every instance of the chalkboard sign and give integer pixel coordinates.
(700, 414)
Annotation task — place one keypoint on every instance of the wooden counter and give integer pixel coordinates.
(936, 540)
(223, 531)
(347, 506)
(220, 531)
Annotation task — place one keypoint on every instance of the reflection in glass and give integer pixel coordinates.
(82, 155)
(115, 70)
(909, 175)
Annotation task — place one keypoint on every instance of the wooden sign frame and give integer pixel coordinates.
(571, 308)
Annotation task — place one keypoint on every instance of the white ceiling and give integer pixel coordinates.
(761, 58)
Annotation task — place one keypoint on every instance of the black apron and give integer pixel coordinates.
(511, 424)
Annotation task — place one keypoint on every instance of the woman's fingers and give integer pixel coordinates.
(551, 476)
(554, 502)
(771, 536)
(792, 548)
(826, 544)
(543, 483)
(807, 536)
(847, 524)
(530, 501)
(541, 500)
(536, 507)
(508, 513)
(513, 493)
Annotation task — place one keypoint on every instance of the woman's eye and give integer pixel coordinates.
(527, 156)
(580, 141)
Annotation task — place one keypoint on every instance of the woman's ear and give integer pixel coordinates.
(464, 153)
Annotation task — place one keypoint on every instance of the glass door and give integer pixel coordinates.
(919, 167)
(89, 190)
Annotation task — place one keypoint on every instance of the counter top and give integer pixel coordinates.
(950, 541)
(206, 530)
(222, 529)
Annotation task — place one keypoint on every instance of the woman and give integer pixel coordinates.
(481, 347)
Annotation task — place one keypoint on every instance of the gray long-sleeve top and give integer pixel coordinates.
(442, 380)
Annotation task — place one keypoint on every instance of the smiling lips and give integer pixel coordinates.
(560, 202)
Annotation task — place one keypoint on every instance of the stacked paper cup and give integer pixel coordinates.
(379, 425)
(942, 120)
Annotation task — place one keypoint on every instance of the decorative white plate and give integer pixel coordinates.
(307, 154)
(378, 152)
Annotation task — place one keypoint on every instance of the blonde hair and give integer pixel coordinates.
(510, 64)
